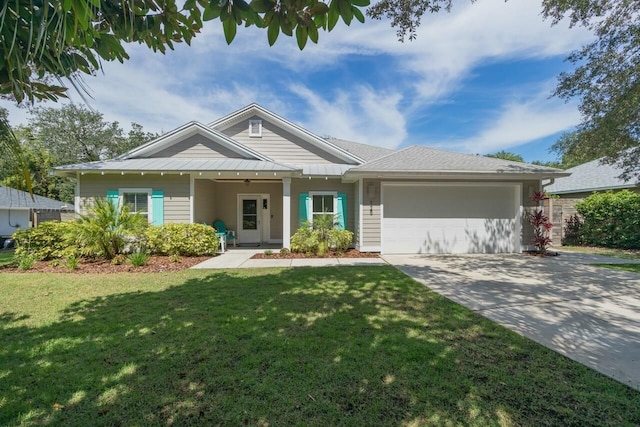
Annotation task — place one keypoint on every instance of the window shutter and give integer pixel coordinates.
(157, 207)
(303, 207)
(342, 211)
(113, 197)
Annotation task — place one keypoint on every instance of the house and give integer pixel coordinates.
(263, 175)
(584, 180)
(19, 210)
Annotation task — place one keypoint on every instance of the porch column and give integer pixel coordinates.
(286, 212)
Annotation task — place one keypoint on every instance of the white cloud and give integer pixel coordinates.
(518, 123)
(361, 114)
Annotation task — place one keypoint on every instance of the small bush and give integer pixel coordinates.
(340, 240)
(304, 240)
(611, 219)
(572, 231)
(285, 251)
(268, 252)
(118, 259)
(72, 262)
(175, 258)
(139, 259)
(182, 239)
(25, 261)
(48, 241)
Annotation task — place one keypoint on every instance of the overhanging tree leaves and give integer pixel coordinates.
(606, 81)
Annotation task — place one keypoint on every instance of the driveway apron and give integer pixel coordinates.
(587, 313)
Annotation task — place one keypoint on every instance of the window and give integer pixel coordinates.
(137, 200)
(322, 204)
(255, 128)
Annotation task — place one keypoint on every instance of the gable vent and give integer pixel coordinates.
(255, 128)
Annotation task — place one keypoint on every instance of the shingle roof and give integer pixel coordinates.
(178, 164)
(425, 159)
(364, 151)
(10, 198)
(590, 176)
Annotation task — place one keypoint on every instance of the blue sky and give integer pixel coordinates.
(476, 80)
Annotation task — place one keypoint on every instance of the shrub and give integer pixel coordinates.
(175, 258)
(540, 222)
(107, 229)
(138, 259)
(305, 240)
(46, 242)
(182, 239)
(573, 231)
(72, 262)
(611, 219)
(118, 259)
(285, 251)
(321, 237)
(25, 261)
(340, 239)
(268, 252)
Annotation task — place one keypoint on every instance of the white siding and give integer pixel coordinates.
(197, 147)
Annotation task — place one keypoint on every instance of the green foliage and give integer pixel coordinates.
(175, 258)
(119, 259)
(107, 229)
(268, 252)
(139, 258)
(72, 262)
(611, 219)
(50, 240)
(573, 231)
(605, 81)
(506, 155)
(321, 237)
(340, 239)
(305, 240)
(25, 261)
(182, 239)
(285, 251)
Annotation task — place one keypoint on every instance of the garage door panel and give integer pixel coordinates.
(449, 219)
(448, 202)
(448, 236)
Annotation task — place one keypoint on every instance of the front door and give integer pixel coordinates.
(250, 212)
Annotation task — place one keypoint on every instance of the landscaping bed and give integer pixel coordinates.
(350, 253)
(156, 263)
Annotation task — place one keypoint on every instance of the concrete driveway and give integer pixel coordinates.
(590, 314)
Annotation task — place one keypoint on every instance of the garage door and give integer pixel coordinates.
(450, 219)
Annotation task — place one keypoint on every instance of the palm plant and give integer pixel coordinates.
(106, 230)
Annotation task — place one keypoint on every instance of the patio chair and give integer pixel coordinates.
(224, 234)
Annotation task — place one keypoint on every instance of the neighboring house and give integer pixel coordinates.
(584, 180)
(263, 175)
(19, 210)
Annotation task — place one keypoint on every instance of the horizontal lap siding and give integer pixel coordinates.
(196, 147)
(279, 145)
(371, 213)
(175, 187)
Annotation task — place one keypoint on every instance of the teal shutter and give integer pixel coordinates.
(113, 198)
(342, 211)
(157, 207)
(303, 206)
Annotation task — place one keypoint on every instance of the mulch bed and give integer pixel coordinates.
(156, 264)
(351, 253)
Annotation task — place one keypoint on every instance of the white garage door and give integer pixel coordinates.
(450, 219)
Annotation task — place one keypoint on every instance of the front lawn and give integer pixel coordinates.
(612, 252)
(6, 257)
(627, 267)
(308, 346)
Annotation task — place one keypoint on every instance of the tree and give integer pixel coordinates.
(506, 155)
(606, 81)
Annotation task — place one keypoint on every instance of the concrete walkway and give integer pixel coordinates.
(590, 314)
(241, 258)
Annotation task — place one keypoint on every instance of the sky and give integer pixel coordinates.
(476, 80)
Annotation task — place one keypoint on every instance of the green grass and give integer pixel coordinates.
(6, 257)
(627, 267)
(348, 346)
(612, 252)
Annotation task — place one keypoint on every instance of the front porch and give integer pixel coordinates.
(257, 210)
